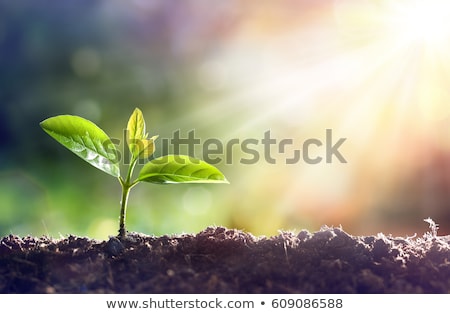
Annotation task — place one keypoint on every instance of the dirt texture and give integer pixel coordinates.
(220, 260)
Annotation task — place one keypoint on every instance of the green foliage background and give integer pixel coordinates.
(95, 60)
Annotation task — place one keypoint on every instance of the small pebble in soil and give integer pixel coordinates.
(114, 247)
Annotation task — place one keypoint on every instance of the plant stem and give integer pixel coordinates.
(123, 210)
(126, 187)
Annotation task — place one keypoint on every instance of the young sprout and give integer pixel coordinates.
(93, 145)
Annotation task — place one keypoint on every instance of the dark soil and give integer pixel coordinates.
(220, 260)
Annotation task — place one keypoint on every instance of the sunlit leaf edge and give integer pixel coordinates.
(173, 169)
(85, 139)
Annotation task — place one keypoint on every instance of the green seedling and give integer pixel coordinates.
(93, 145)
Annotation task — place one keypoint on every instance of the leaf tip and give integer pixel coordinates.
(218, 178)
(42, 123)
(223, 181)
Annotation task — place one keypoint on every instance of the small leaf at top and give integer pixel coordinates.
(86, 140)
(180, 169)
(136, 131)
(148, 147)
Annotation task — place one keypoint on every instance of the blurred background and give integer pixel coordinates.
(375, 72)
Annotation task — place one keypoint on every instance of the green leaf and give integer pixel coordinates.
(136, 132)
(148, 147)
(180, 169)
(86, 140)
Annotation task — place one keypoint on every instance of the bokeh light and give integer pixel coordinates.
(374, 72)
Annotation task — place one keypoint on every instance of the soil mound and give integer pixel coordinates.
(220, 260)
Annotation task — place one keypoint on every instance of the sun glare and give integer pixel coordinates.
(423, 21)
(373, 71)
